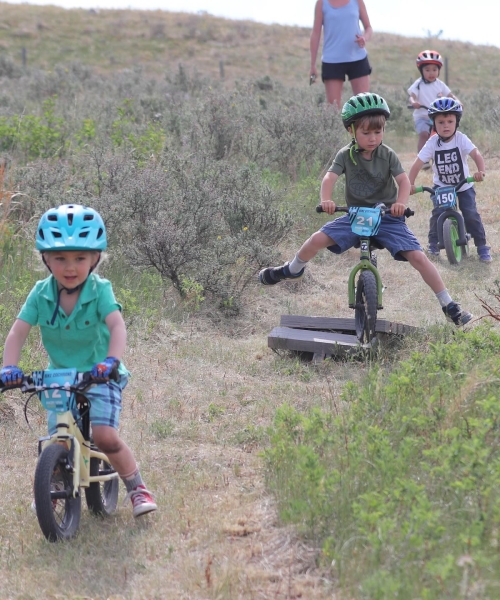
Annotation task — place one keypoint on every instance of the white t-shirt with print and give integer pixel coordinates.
(426, 94)
(449, 159)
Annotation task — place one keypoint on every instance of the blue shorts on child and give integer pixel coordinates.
(393, 235)
(105, 401)
(423, 125)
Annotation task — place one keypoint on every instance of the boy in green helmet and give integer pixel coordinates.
(373, 175)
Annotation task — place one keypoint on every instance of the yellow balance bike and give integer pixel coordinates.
(68, 460)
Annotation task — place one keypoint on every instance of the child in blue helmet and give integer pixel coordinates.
(449, 150)
(81, 327)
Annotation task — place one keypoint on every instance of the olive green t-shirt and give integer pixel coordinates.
(370, 181)
(81, 339)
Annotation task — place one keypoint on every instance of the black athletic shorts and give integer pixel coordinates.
(353, 70)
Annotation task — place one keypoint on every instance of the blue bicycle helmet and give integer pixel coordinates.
(71, 227)
(445, 105)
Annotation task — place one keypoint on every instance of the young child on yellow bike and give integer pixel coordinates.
(81, 327)
(373, 175)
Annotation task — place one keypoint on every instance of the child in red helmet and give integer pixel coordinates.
(424, 91)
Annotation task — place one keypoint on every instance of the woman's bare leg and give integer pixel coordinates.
(360, 84)
(333, 90)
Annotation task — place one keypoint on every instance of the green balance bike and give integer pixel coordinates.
(452, 235)
(365, 286)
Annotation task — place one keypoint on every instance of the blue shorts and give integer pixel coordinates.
(393, 235)
(105, 404)
(423, 125)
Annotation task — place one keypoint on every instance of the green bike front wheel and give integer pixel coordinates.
(451, 235)
(57, 511)
(365, 311)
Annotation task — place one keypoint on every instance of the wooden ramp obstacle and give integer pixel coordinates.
(327, 336)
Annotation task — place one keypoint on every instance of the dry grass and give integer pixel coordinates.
(202, 396)
(195, 414)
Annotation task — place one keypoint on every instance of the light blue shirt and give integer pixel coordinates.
(78, 340)
(340, 27)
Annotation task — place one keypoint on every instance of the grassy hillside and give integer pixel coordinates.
(385, 481)
(159, 41)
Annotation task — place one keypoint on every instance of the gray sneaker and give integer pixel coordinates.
(273, 275)
(456, 315)
(484, 253)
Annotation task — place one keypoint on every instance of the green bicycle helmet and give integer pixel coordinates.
(361, 105)
(71, 227)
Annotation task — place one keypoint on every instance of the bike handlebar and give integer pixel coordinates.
(424, 188)
(84, 380)
(408, 212)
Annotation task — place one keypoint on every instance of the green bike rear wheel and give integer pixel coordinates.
(57, 511)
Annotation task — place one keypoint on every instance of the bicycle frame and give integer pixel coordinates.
(79, 456)
(364, 264)
(449, 213)
(69, 433)
(365, 244)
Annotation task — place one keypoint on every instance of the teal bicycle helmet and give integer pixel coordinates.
(71, 227)
(361, 105)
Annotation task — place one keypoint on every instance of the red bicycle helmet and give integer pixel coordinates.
(429, 57)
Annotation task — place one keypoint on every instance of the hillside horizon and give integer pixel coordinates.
(158, 41)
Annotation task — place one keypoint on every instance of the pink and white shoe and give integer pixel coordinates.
(142, 501)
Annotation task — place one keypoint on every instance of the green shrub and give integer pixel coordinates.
(34, 136)
(400, 485)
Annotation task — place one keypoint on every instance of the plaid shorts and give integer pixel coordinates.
(105, 404)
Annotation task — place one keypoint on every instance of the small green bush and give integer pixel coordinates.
(400, 485)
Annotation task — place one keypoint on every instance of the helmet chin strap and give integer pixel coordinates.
(354, 146)
(446, 139)
(58, 302)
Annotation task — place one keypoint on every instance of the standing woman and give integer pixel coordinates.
(344, 51)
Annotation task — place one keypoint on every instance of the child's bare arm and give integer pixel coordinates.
(327, 185)
(15, 342)
(479, 160)
(414, 101)
(398, 208)
(118, 332)
(412, 175)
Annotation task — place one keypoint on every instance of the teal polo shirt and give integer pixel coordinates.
(81, 339)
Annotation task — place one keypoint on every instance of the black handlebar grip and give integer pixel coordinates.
(319, 209)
